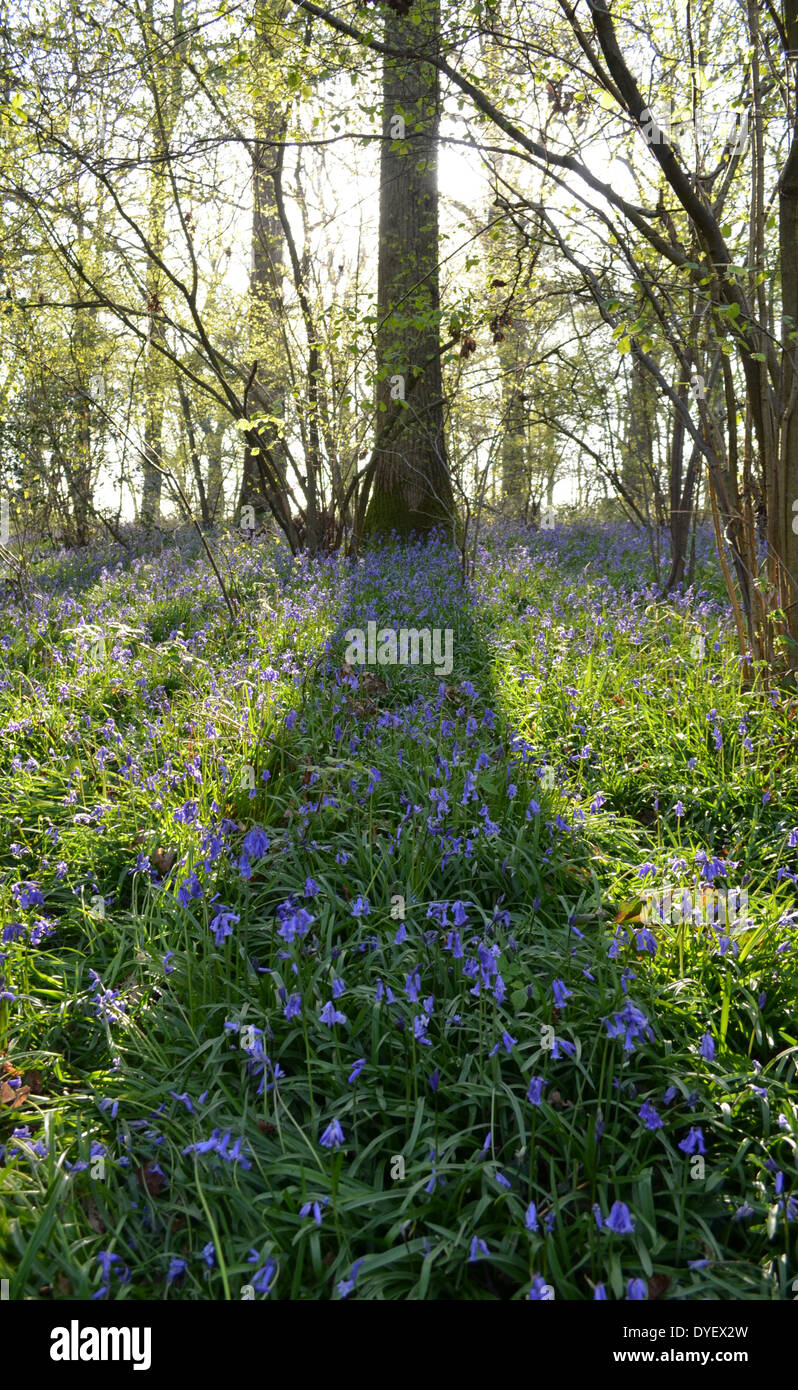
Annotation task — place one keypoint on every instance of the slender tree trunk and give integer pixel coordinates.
(214, 486)
(513, 420)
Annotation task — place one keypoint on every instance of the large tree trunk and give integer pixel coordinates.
(783, 504)
(167, 98)
(412, 489)
(264, 455)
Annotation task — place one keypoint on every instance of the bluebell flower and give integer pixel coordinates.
(413, 985)
(535, 1090)
(345, 1286)
(356, 1070)
(434, 1079)
(636, 1291)
(646, 940)
(560, 993)
(209, 1254)
(454, 944)
(478, 1248)
(220, 1145)
(330, 1015)
(506, 1041)
(439, 911)
(104, 1000)
(693, 1143)
(314, 1209)
(107, 1261)
(177, 1269)
(333, 1136)
(256, 842)
(599, 1294)
(630, 1024)
(649, 1116)
(531, 1217)
(707, 1047)
(293, 1008)
(189, 889)
(28, 894)
(540, 1290)
(222, 924)
(261, 1280)
(420, 1025)
(361, 907)
(503, 1181)
(185, 1098)
(294, 921)
(619, 1220)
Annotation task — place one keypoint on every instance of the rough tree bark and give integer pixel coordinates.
(783, 518)
(514, 472)
(260, 488)
(167, 98)
(412, 489)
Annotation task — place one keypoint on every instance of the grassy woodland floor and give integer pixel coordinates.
(230, 1071)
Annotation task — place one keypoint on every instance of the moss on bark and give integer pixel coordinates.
(388, 511)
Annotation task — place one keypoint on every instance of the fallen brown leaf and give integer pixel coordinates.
(163, 860)
(658, 1284)
(13, 1096)
(152, 1181)
(558, 1102)
(93, 1214)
